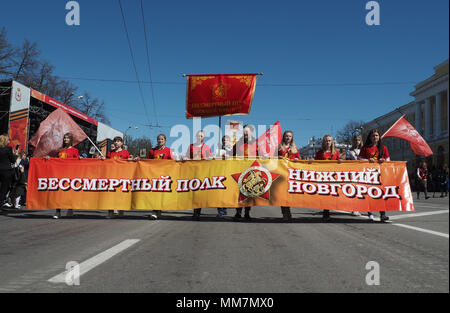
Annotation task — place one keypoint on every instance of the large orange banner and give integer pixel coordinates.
(221, 94)
(91, 184)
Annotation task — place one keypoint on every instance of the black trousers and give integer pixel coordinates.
(197, 212)
(286, 211)
(6, 178)
(247, 210)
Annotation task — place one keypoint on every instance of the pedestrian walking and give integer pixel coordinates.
(8, 157)
(422, 179)
(20, 182)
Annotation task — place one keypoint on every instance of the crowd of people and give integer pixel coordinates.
(435, 179)
(14, 165)
(13, 175)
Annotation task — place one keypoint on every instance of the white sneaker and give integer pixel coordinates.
(371, 217)
(8, 205)
(153, 217)
(55, 217)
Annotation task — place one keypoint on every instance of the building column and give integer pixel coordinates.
(448, 113)
(427, 123)
(437, 115)
(418, 117)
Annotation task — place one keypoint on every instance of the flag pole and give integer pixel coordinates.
(259, 74)
(95, 146)
(220, 131)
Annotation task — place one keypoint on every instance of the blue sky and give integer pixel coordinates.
(304, 42)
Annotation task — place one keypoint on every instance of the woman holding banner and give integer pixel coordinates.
(160, 152)
(375, 151)
(67, 151)
(117, 154)
(353, 154)
(327, 152)
(247, 146)
(198, 151)
(288, 149)
(224, 153)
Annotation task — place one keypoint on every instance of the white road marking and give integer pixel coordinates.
(422, 230)
(397, 217)
(426, 206)
(89, 264)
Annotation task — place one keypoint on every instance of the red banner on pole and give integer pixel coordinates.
(220, 94)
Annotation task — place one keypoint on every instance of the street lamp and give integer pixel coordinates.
(125, 133)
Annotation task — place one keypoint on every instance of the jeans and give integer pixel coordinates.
(222, 211)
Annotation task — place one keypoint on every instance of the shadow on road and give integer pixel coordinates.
(298, 218)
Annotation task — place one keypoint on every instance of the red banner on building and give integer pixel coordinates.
(44, 98)
(220, 94)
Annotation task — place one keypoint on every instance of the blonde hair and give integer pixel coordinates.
(4, 140)
(360, 143)
(292, 145)
(333, 149)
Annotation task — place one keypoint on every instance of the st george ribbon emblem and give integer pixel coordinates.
(255, 182)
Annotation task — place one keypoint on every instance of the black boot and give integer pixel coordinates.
(326, 215)
(247, 213)
(196, 215)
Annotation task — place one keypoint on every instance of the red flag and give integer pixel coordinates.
(49, 137)
(269, 141)
(404, 130)
(219, 94)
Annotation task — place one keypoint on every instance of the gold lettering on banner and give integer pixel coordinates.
(198, 80)
(247, 80)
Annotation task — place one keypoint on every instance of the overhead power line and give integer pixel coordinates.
(308, 84)
(134, 63)
(148, 64)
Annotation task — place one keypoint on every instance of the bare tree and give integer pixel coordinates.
(135, 145)
(92, 107)
(6, 53)
(23, 64)
(42, 77)
(26, 60)
(346, 134)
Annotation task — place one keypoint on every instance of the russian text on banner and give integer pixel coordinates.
(91, 184)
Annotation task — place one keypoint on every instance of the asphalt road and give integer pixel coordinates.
(178, 254)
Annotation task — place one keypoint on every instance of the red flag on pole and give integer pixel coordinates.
(219, 94)
(269, 141)
(49, 137)
(404, 130)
